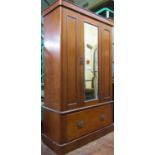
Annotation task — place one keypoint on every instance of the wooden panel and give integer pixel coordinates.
(71, 39)
(84, 122)
(106, 65)
(79, 142)
(52, 46)
(71, 54)
(52, 126)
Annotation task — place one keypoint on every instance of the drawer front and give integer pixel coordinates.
(86, 121)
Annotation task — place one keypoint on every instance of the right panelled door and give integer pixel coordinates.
(106, 63)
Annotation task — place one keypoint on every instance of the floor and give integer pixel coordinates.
(102, 146)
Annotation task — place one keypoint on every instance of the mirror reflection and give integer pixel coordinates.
(91, 61)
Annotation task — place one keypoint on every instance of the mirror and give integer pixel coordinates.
(91, 61)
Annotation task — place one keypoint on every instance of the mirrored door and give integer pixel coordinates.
(91, 61)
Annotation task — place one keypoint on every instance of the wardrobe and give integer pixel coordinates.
(78, 77)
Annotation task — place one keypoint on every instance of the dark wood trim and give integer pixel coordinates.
(77, 9)
(61, 149)
(77, 109)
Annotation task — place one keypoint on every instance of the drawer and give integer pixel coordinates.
(86, 121)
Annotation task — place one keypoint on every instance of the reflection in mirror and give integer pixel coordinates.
(91, 61)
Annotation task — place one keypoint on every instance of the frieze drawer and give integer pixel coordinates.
(86, 121)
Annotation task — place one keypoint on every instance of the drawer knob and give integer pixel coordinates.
(102, 117)
(80, 124)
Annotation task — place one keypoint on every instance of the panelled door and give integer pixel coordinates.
(97, 49)
(72, 57)
(106, 63)
(86, 59)
(91, 60)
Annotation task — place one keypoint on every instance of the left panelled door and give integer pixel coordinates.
(73, 60)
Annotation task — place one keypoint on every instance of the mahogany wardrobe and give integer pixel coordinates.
(78, 77)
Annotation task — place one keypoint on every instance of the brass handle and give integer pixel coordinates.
(102, 117)
(80, 124)
(81, 61)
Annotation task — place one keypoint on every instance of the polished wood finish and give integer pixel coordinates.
(62, 128)
(52, 46)
(92, 105)
(84, 122)
(67, 147)
(101, 146)
(52, 126)
(76, 8)
(106, 63)
(85, 12)
(70, 121)
(52, 7)
(72, 87)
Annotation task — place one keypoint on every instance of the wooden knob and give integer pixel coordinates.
(80, 124)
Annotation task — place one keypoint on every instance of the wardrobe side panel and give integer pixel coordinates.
(52, 126)
(52, 46)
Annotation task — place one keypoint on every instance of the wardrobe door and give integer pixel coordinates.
(72, 57)
(106, 63)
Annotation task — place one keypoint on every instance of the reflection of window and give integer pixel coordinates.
(91, 61)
